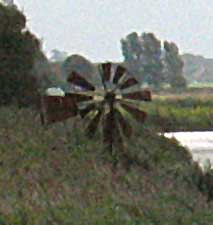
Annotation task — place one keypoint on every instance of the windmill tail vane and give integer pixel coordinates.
(105, 106)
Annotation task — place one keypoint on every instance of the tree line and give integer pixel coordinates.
(25, 70)
(152, 62)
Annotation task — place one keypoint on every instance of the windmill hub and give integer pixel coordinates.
(110, 97)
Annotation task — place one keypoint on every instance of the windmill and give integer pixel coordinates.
(107, 106)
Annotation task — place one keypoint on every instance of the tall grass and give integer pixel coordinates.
(56, 175)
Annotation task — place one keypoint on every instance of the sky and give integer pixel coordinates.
(94, 28)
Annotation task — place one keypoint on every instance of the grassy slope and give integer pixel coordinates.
(50, 176)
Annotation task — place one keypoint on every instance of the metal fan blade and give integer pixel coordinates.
(78, 80)
(93, 125)
(106, 68)
(86, 110)
(125, 126)
(139, 95)
(128, 83)
(58, 109)
(120, 71)
(136, 113)
(77, 97)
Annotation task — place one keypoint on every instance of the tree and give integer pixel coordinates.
(58, 56)
(132, 47)
(82, 66)
(151, 59)
(43, 71)
(173, 66)
(142, 55)
(18, 49)
(78, 63)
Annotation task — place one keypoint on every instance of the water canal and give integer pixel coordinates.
(200, 144)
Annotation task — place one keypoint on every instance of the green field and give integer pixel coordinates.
(181, 112)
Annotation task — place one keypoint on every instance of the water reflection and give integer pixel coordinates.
(199, 143)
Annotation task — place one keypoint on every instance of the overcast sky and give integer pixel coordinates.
(94, 28)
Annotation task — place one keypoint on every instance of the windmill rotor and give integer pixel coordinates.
(105, 106)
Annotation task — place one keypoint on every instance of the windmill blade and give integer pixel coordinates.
(87, 110)
(106, 69)
(138, 114)
(78, 80)
(105, 72)
(79, 97)
(125, 126)
(128, 83)
(57, 108)
(93, 125)
(138, 95)
(120, 71)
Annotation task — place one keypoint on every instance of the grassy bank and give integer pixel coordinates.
(190, 111)
(56, 175)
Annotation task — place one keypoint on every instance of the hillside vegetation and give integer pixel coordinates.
(56, 175)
